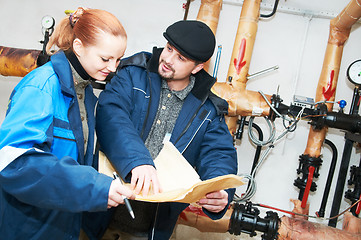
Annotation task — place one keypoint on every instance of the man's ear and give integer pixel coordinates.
(78, 46)
(197, 68)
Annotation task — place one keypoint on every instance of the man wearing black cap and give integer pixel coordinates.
(165, 95)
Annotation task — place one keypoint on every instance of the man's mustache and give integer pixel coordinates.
(167, 65)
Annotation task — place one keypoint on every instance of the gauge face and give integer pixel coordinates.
(47, 22)
(354, 72)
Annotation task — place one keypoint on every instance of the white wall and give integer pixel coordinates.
(294, 42)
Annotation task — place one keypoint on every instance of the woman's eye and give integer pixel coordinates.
(105, 60)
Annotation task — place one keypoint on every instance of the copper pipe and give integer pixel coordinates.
(351, 223)
(17, 62)
(244, 42)
(186, 7)
(242, 102)
(290, 228)
(209, 14)
(196, 218)
(300, 229)
(232, 123)
(340, 28)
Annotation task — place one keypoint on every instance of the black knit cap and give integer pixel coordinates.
(193, 39)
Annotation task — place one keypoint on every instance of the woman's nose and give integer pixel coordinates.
(112, 66)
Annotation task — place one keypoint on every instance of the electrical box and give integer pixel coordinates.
(302, 101)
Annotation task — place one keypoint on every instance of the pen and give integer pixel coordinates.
(126, 200)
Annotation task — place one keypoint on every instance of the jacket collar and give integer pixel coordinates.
(203, 81)
(62, 69)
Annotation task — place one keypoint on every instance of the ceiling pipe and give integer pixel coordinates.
(273, 11)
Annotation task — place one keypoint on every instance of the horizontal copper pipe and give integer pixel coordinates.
(17, 62)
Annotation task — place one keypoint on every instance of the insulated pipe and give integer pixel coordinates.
(17, 62)
(290, 228)
(351, 223)
(209, 14)
(340, 28)
(186, 8)
(242, 102)
(300, 229)
(245, 38)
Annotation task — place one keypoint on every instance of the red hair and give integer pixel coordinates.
(89, 24)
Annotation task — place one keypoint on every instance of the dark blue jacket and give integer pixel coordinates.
(46, 182)
(126, 110)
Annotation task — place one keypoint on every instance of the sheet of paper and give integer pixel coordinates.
(179, 180)
(174, 171)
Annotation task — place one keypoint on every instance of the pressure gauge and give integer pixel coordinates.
(47, 22)
(354, 72)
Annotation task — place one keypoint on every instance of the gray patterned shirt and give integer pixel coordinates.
(170, 104)
(80, 84)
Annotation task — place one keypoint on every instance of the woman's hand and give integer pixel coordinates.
(117, 192)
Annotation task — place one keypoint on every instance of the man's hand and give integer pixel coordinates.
(116, 192)
(144, 177)
(214, 201)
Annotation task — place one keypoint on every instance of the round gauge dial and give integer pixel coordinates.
(354, 72)
(47, 22)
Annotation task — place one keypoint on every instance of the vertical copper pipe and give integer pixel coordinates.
(340, 28)
(241, 101)
(244, 42)
(209, 14)
(186, 7)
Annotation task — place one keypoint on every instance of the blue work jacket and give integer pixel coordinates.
(46, 182)
(126, 111)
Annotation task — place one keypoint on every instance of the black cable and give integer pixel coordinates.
(321, 212)
(259, 148)
(273, 11)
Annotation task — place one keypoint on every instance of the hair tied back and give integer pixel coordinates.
(74, 17)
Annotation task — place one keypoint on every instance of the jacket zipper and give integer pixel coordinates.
(155, 221)
(195, 133)
(69, 139)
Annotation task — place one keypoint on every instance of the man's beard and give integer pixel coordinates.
(166, 75)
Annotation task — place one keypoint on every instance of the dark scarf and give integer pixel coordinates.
(74, 61)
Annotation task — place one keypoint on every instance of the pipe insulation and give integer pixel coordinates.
(242, 102)
(208, 13)
(340, 28)
(17, 62)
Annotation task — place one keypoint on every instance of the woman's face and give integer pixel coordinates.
(102, 58)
